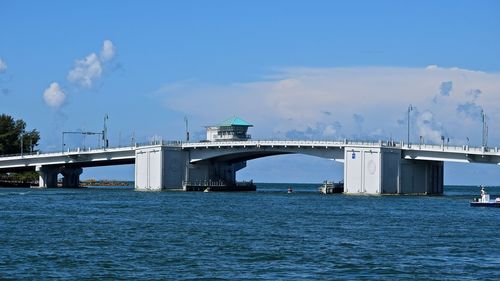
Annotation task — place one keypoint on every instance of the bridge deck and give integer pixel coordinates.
(126, 155)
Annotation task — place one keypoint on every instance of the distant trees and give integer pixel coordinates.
(12, 132)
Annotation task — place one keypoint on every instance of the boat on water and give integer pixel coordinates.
(330, 187)
(485, 200)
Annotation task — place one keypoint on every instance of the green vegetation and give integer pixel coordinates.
(12, 134)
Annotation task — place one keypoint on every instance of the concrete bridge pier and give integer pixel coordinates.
(166, 168)
(159, 167)
(382, 170)
(47, 176)
(71, 176)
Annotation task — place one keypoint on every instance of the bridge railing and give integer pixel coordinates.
(89, 149)
(451, 148)
(291, 143)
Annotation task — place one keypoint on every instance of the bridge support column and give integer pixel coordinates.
(159, 167)
(421, 177)
(47, 176)
(381, 170)
(71, 177)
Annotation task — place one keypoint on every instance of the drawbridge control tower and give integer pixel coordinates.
(232, 129)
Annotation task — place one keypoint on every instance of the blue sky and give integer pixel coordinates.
(295, 69)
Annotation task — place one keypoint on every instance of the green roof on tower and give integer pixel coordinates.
(235, 121)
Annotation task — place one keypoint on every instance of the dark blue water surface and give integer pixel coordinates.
(117, 233)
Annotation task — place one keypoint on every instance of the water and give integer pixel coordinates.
(116, 233)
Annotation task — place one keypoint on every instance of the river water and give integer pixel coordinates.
(113, 233)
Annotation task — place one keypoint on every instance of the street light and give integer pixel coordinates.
(410, 108)
(187, 128)
(22, 144)
(485, 129)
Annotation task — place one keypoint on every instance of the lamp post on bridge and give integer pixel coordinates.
(410, 108)
(485, 129)
(22, 143)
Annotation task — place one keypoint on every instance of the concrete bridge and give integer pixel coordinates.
(369, 167)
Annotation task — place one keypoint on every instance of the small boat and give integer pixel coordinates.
(208, 189)
(330, 187)
(485, 200)
(290, 190)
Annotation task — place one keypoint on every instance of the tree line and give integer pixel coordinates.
(13, 133)
(13, 136)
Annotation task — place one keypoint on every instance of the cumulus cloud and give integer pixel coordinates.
(108, 51)
(3, 66)
(445, 88)
(86, 71)
(470, 110)
(293, 102)
(54, 95)
(474, 93)
(318, 131)
(428, 127)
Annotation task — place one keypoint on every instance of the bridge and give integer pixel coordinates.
(369, 167)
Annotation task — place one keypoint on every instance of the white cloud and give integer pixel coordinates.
(89, 69)
(428, 127)
(54, 95)
(296, 99)
(108, 51)
(3, 66)
(86, 71)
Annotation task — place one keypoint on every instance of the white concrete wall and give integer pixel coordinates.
(149, 169)
(362, 168)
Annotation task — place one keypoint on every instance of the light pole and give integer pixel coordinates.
(22, 143)
(105, 132)
(187, 128)
(485, 129)
(410, 108)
